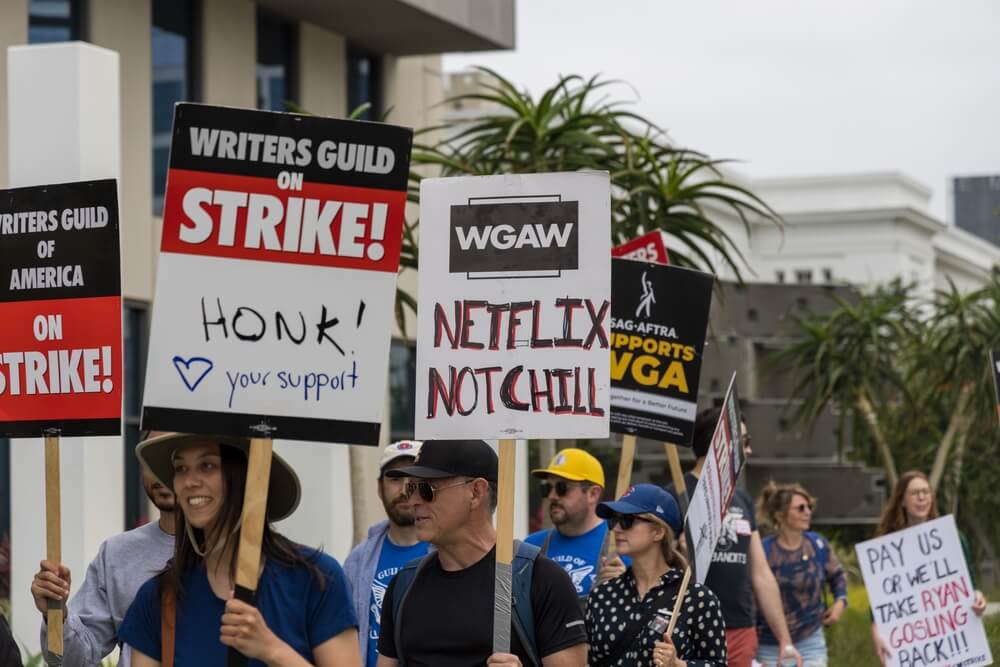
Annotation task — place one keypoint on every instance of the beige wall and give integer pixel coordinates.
(13, 31)
(322, 71)
(124, 26)
(229, 53)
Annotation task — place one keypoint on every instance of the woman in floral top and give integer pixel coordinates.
(622, 612)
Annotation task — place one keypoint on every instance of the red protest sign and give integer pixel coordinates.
(646, 248)
(60, 302)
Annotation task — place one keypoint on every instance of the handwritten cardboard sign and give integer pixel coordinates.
(60, 310)
(276, 276)
(921, 594)
(717, 484)
(515, 300)
(658, 324)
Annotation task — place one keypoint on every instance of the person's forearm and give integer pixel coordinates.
(80, 647)
(286, 656)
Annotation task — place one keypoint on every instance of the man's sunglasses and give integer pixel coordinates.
(427, 491)
(626, 521)
(561, 487)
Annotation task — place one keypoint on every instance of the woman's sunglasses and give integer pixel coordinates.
(802, 507)
(427, 491)
(626, 521)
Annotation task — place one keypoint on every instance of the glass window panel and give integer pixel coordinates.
(277, 42)
(402, 390)
(53, 21)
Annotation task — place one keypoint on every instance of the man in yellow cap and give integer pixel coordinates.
(573, 484)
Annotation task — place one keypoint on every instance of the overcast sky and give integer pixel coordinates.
(791, 87)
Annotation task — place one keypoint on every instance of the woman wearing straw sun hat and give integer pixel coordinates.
(187, 615)
(627, 616)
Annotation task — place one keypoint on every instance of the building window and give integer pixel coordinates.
(827, 275)
(135, 339)
(364, 84)
(54, 21)
(277, 64)
(402, 390)
(804, 276)
(174, 70)
(779, 277)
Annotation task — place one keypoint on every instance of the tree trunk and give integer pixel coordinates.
(956, 483)
(955, 427)
(888, 462)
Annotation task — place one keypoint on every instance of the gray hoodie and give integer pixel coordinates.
(360, 570)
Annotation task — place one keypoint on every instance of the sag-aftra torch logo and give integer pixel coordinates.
(514, 239)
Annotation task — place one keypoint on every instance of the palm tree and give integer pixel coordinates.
(851, 357)
(573, 126)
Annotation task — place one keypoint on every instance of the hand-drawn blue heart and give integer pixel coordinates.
(193, 370)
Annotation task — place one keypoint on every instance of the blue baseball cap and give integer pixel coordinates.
(644, 499)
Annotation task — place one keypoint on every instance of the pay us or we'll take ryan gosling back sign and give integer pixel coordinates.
(277, 275)
(514, 289)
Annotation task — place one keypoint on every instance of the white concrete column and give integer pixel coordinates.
(67, 129)
(323, 518)
(522, 478)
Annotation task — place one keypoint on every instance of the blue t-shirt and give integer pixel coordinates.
(294, 607)
(578, 555)
(390, 561)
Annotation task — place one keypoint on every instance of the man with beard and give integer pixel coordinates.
(123, 563)
(391, 544)
(573, 484)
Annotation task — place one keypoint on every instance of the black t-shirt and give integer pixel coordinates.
(729, 575)
(448, 616)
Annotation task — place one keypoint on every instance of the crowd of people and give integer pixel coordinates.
(599, 588)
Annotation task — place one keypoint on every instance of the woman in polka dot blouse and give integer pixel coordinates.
(622, 613)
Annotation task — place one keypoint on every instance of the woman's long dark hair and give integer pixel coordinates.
(226, 533)
(894, 515)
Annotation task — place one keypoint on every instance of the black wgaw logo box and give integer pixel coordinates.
(496, 237)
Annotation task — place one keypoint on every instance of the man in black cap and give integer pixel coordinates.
(440, 612)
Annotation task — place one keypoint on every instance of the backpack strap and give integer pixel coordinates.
(820, 546)
(168, 627)
(403, 580)
(522, 614)
(544, 549)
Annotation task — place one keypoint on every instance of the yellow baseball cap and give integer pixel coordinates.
(575, 465)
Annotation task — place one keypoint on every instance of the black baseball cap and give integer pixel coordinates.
(451, 458)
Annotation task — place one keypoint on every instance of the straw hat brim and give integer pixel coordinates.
(284, 490)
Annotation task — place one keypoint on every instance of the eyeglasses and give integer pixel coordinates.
(427, 491)
(802, 507)
(919, 493)
(626, 521)
(561, 488)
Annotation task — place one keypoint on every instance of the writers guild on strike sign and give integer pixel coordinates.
(60, 305)
(517, 331)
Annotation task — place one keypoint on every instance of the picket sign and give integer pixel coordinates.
(254, 334)
(921, 596)
(995, 374)
(512, 330)
(61, 343)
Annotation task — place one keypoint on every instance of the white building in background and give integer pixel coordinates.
(862, 229)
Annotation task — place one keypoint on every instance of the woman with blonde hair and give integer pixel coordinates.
(911, 503)
(627, 616)
(803, 564)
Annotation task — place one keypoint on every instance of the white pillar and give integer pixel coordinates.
(63, 125)
(521, 480)
(324, 517)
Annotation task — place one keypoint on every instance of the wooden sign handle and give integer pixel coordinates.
(503, 579)
(252, 528)
(677, 475)
(680, 600)
(625, 463)
(53, 539)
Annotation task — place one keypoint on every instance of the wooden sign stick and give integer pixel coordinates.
(625, 464)
(252, 529)
(677, 475)
(680, 599)
(53, 537)
(505, 547)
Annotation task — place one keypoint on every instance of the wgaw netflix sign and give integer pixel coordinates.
(514, 291)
